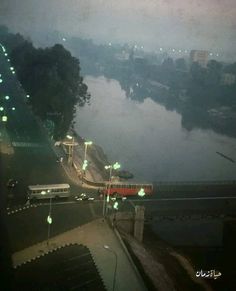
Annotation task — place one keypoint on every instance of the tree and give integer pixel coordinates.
(52, 77)
(214, 71)
(168, 65)
(231, 69)
(180, 64)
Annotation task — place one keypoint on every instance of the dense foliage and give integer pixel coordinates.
(52, 78)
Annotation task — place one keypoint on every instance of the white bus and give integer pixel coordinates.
(48, 191)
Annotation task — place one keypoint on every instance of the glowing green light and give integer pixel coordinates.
(49, 219)
(1, 80)
(28, 96)
(7, 97)
(141, 192)
(4, 118)
(13, 72)
(8, 60)
(85, 164)
(116, 166)
(88, 143)
(13, 108)
(11, 68)
(5, 54)
(115, 206)
(1, 108)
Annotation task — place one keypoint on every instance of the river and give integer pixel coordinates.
(149, 140)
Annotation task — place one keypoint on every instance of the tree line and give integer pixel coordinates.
(52, 77)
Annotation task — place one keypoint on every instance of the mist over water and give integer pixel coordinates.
(148, 140)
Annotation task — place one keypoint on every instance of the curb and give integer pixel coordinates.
(128, 255)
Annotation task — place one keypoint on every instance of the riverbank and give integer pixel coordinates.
(96, 156)
(162, 267)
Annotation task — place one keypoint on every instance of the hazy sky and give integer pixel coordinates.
(207, 24)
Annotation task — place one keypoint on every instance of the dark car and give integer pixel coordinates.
(12, 183)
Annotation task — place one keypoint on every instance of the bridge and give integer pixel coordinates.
(170, 187)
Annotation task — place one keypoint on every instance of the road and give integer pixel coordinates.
(31, 159)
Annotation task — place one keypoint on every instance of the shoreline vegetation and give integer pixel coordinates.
(52, 79)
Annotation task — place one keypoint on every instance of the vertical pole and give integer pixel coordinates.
(104, 203)
(85, 156)
(109, 190)
(72, 150)
(49, 224)
(85, 152)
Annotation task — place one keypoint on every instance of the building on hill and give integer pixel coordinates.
(199, 56)
(228, 79)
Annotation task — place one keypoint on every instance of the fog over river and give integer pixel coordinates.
(148, 140)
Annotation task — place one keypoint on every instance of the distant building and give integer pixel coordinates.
(228, 79)
(124, 56)
(199, 56)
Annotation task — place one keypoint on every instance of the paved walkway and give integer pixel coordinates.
(92, 173)
(5, 143)
(94, 235)
(74, 173)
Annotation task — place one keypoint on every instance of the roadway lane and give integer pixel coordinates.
(33, 161)
(29, 226)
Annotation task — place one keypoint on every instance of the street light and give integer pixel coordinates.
(106, 247)
(7, 97)
(49, 217)
(4, 118)
(115, 167)
(70, 157)
(86, 144)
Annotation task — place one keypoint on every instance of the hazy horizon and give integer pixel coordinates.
(208, 25)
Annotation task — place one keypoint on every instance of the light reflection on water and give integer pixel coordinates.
(148, 140)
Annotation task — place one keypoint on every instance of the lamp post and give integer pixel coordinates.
(106, 247)
(49, 218)
(86, 144)
(71, 149)
(110, 167)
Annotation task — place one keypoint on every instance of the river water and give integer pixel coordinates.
(149, 140)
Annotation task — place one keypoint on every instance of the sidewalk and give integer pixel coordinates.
(92, 172)
(5, 142)
(94, 235)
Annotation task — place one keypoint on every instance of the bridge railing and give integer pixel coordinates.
(171, 183)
